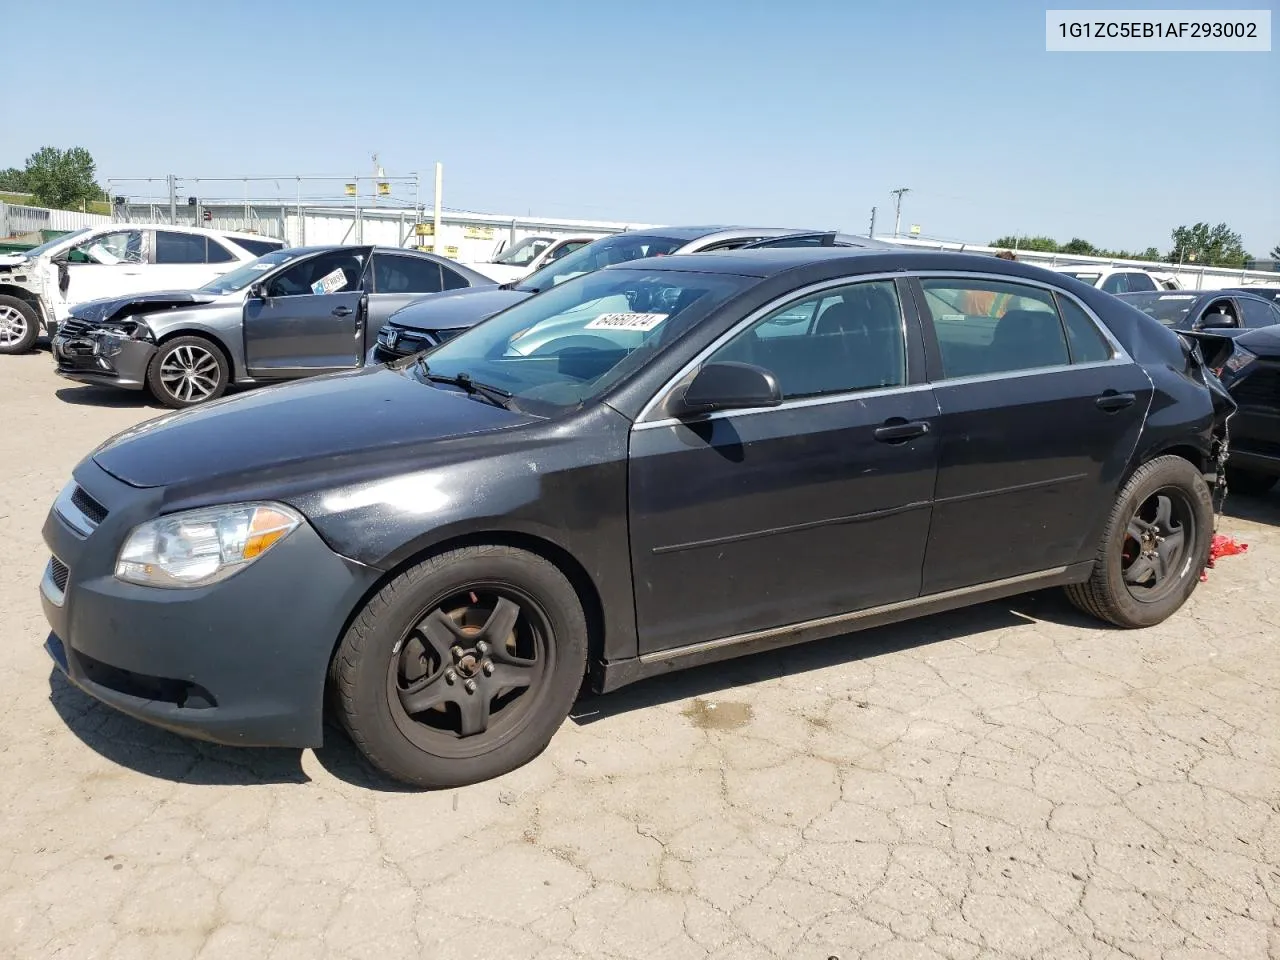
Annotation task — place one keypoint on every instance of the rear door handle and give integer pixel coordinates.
(1111, 402)
(901, 431)
(342, 311)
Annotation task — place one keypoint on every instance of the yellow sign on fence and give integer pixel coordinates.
(351, 189)
(478, 233)
(424, 229)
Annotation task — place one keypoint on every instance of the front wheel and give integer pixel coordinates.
(19, 325)
(186, 371)
(1156, 544)
(463, 667)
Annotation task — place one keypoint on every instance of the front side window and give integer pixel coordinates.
(572, 343)
(338, 271)
(839, 341)
(524, 252)
(179, 248)
(1117, 283)
(397, 274)
(992, 326)
(109, 249)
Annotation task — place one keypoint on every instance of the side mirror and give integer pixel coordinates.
(259, 291)
(726, 386)
(1217, 321)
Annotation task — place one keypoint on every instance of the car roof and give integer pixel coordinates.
(719, 231)
(773, 261)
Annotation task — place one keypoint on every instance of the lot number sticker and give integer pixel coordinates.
(644, 322)
(330, 282)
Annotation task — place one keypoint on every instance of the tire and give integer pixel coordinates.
(206, 377)
(19, 326)
(1108, 594)
(373, 687)
(1250, 483)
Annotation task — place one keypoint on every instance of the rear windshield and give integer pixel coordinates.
(1084, 276)
(257, 247)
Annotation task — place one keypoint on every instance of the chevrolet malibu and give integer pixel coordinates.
(715, 454)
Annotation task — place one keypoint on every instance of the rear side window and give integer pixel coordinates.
(396, 274)
(217, 253)
(991, 326)
(173, 247)
(1086, 343)
(453, 280)
(257, 247)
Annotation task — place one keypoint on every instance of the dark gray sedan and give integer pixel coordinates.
(289, 314)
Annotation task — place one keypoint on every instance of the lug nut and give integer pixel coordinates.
(487, 666)
(457, 651)
(482, 648)
(450, 676)
(470, 686)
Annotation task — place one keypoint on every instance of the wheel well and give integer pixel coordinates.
(21, 293)
(203, 335)
(1196, 458)
(564, 561)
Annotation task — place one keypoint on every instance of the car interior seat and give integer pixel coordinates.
(1027, 338)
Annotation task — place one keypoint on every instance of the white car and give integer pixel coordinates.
(527, 255)
(1121, 279)
(39, 287)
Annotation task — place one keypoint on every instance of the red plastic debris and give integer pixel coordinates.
(1222, 546)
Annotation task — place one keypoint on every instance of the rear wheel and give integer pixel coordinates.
(19, 325)
(1249, 482)
(186, 371)
(1155, 546)
(463, 667)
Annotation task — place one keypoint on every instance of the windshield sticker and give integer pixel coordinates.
(330, 282)
(644, 322)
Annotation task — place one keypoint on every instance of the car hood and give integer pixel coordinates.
(114, 308)
(12, 259)
(305, 428)
(458, 308)
(1264, 343)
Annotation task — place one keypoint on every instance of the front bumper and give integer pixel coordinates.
(94, 357)
(239, 662)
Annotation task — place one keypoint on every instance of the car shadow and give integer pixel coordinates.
(91, 396)
(158, 753)
(1258, 509)
(713, 678)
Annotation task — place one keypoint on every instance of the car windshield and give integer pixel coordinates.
(1084, 276)
(254, 270)
(568, 346)
(524, 252)
(56, 241)
(620, 248)
(1171, 309)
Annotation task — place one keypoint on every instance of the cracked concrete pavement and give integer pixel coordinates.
(1005, 781)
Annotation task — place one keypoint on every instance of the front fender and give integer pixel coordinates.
(226, 335)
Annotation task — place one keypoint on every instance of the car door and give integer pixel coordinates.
(311, 317)
(110, 264)
(756, 519)
(1039, 410)
(398, 280)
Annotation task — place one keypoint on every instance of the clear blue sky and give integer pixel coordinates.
(803, 112)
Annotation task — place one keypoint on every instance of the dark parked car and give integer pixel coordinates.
(433, 320)
(1225, 311)
(1259, 290)
(292, 313)
(1249, 367)
(717, 454)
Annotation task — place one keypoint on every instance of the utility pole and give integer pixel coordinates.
(435, 229)
(173, 199)
(897, 208)
(871, 230)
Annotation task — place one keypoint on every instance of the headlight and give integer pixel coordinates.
(198, 547)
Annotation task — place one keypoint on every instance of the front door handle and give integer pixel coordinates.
(898, 431)
(1110, 402)
(342, 311)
